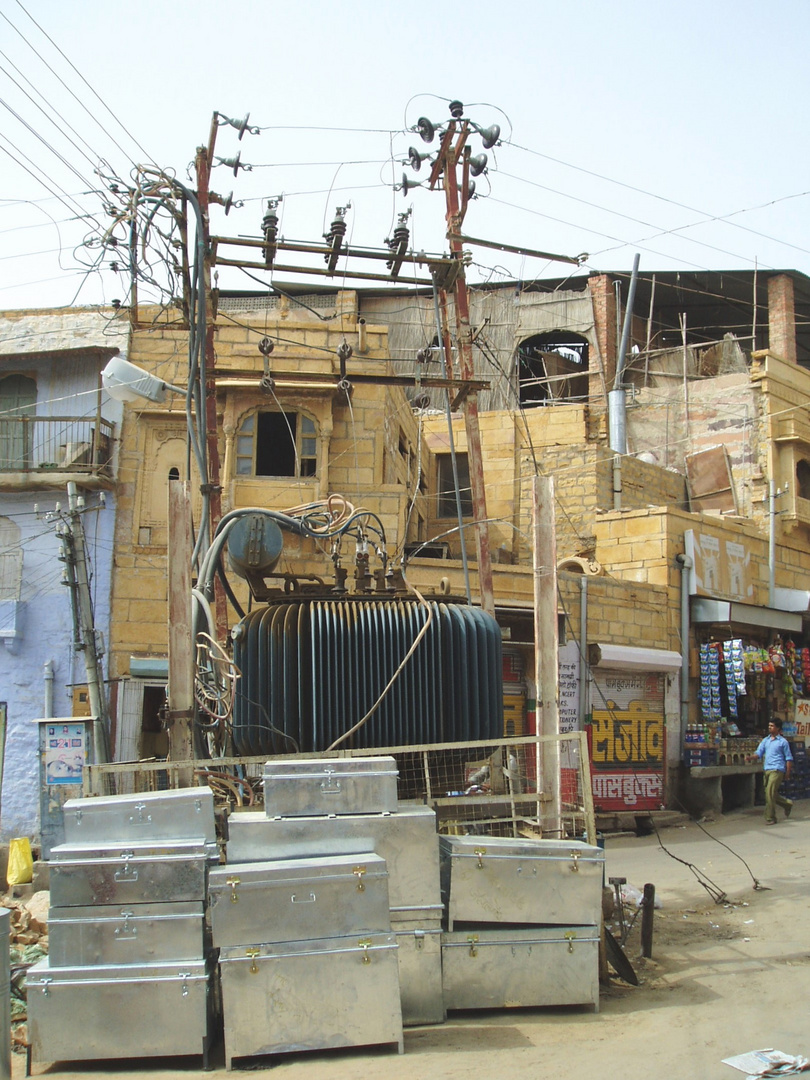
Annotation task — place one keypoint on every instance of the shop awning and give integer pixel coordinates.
(633, 658)
(149, 667)
(705, 610)
(792, 599)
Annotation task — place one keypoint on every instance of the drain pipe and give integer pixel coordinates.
(685, 565)
(47, 674)
(583, 652)
(617, 399)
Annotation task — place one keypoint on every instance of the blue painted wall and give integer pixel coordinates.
(65, 387)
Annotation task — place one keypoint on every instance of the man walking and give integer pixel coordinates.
(774, 750)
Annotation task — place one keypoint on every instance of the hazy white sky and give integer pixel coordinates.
(674, 130)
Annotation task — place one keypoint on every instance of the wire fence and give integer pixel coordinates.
(532, 786)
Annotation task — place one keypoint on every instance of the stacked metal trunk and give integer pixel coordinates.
(522, 922)
(129, 970)
(344, 882)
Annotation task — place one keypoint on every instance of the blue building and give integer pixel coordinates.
(56, 428)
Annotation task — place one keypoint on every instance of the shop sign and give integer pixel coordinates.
(628, 790)
(626, 738)
(802, 718)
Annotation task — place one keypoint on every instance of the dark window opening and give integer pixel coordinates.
(552, 367)
(276, 444)
(803, 478)
(446, 503)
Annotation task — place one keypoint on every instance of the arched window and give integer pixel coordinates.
(18, 396)
(552, 367)
(272, 443)
(803, 478)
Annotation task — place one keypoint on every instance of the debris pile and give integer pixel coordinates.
(28, 940)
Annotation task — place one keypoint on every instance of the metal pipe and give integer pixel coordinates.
(771, 544)
(628, 319)
(685, 565)
(362, 342)
(453, 462)
(617, 420)
(617, 480)
(582, 710)
(47, 674)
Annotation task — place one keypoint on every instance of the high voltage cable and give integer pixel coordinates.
(45, 114)
(86, 83)
(672, 202)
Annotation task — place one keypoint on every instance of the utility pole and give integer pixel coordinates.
(86, 640)
(450, 159)
(211, 483)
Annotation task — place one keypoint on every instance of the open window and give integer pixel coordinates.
(803, 478)
(446, 506)
(273, 443)
(552, 367)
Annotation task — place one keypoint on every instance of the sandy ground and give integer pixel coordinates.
(724, 978)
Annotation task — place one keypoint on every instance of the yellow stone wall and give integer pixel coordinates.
(359, 454)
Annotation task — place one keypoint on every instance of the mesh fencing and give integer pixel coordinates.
(505, 787)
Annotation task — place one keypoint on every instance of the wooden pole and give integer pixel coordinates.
(181, 647)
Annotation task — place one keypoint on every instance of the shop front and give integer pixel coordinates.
(633, 692)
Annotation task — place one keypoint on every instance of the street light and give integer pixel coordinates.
(127, 382)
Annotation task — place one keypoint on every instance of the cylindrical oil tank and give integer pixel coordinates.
(255, 544)
(312, 668)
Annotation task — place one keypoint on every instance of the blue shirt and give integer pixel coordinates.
(775, 752)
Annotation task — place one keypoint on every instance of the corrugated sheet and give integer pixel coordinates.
(312, 668)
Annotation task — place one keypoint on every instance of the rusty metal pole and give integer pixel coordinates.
(647, 914)
(202, 164)
(455, 217)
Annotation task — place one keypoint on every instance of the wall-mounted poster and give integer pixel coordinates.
(64, 752)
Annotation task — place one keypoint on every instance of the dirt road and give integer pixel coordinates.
(724, 978)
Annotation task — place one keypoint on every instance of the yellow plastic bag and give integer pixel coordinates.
(20, 861)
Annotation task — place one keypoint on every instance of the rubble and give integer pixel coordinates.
(28, 941)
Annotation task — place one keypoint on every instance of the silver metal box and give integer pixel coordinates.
(138, 934)
(537, 966)
(297, 899)
(310, 995)
(185, 814)
(419, 955)
(330, 786)
(406, 840)
(84, 874)
(502, 880)
(83, 1013)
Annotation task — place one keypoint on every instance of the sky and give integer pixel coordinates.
(675, 131)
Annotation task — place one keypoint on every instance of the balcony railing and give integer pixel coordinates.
(40, 444)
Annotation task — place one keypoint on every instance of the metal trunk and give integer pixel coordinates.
(499, 880)
(406, 840)
(186, 814)
(535, 966)
(138, 934)
(311, 995)
(298, 899)
(84, 874)
(82, 1013)
(330, 786)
